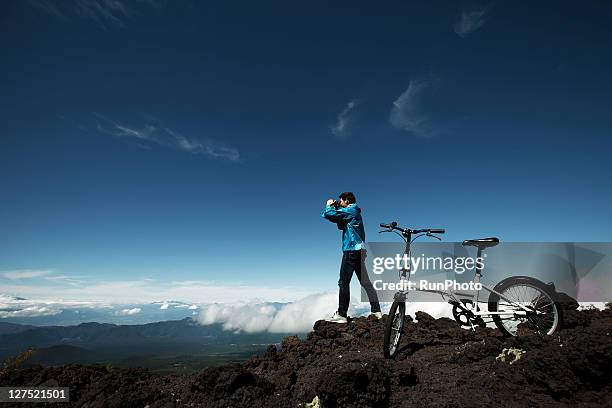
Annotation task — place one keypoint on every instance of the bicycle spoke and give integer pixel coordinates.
(542, 316)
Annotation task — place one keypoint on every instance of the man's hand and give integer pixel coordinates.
(330, 202)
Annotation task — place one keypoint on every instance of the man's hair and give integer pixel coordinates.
(348, 197)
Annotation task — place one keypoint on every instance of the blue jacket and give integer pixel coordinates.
(349, 221)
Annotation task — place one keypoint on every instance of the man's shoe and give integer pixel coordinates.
(378, 315)
(336, 318)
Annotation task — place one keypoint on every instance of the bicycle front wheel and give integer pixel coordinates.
(543, 315)
(393, 328)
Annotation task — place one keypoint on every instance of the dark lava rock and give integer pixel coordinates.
(438, 364)
(355, 383)
(567, 302)
(231, 385)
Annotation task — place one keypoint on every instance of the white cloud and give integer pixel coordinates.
(470, 21)
(250, 318)
(341, 127)
(435, 309)
(591, 305)
(298, 316)
(26, 273)
(407, 114)
(149, 134)
(164, 306)
(129, 312)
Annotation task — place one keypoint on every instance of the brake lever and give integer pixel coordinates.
(429, 234)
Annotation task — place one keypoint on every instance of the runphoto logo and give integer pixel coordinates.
(457, 264)
(427, 285)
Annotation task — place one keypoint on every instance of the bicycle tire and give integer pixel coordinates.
(507, 285)
(392, 345)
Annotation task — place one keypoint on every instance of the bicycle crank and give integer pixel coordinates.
(465, 318)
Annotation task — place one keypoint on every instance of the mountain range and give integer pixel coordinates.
(123, 344)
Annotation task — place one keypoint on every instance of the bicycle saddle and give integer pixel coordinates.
(482, 242)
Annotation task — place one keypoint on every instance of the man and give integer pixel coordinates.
(347, 215)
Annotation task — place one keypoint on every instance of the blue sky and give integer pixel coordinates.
(150, 145)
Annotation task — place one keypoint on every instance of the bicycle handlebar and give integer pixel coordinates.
(393, 226)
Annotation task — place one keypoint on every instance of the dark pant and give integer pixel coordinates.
(352, 262)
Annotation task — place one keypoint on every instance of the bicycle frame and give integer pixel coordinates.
(405, 273)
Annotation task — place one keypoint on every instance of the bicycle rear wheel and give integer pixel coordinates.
(544, 316)
(393, 328)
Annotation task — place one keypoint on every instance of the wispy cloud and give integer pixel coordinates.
(208, 147)
(71, 280)
(470, 21)
(108, 14)
(119, 130)
(341, 127)
(407, 113)
(46, 274)
(192, 282)
(25, 273)
(148, 134)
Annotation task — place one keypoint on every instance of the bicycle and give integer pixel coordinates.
(514, 301)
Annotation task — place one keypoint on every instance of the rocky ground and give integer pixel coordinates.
(439, 365)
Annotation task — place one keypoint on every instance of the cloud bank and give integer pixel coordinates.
(11, 306)
(65, 312)
(298, 316)
(255, 317)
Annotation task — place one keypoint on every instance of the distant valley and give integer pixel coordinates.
(173, 345)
